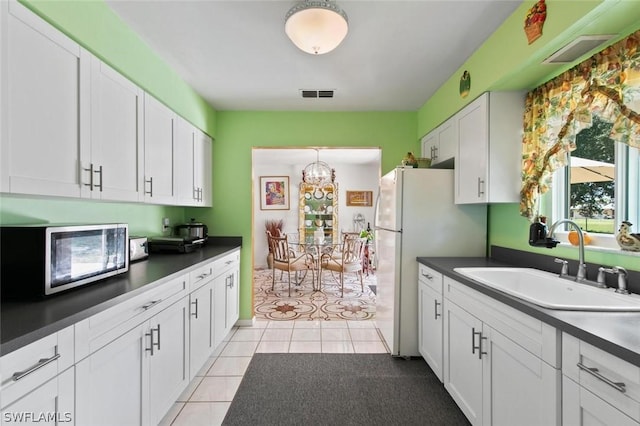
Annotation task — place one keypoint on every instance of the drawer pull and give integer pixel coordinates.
(41, 363)
(427, 276)
(619, 386)
(150, 304)
(201, 276)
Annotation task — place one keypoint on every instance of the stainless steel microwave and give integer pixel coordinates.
(40, 260)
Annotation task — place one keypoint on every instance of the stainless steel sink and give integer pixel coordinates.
(549, 291)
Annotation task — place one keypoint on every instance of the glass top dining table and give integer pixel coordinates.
(316, 248)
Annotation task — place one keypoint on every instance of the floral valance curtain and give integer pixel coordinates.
(607, 84)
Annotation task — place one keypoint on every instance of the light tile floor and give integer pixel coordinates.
(208, 397)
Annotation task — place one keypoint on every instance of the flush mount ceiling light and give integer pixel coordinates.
(316, 26)
(317, 173)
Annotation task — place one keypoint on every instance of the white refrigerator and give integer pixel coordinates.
(416, 216)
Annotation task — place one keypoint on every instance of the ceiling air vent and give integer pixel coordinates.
(577, 48)
(315, 94)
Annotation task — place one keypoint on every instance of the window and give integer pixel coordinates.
(600, 188)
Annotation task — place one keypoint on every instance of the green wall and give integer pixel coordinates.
(506, 62)
(239, 131)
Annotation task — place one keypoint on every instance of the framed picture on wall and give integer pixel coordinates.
(274, 193)
(360, 198)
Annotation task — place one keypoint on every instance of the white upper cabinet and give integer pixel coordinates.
(71, 126)
(183, 158)
(192, 164)
(202, 168)
(441, 143)
(113, 167)
(45, 104)
(158, 152)
(489, 146)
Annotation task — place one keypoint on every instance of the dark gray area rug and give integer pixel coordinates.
(347, 389)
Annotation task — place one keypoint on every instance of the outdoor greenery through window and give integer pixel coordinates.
(600, 187)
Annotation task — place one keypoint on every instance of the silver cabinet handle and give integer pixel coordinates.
(435, 309)
(201, 276)
(150, 182)
(195, 303)
(480, 187)
(90, 170)
(41, 363)
(473, 340)
(150, 304)
(428, 276)
(153, 342)
(158, 342)
(481, 352)
(619, 386)
(473, 343)
(230, 280)
(99, 171)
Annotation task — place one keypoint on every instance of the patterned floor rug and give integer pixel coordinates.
(306, 303)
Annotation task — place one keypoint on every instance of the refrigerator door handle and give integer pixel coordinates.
(375, 211)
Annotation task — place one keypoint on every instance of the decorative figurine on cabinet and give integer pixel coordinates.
(626, 240)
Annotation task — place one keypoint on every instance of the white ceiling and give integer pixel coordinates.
(237, 56)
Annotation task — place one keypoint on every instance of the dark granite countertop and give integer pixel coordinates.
(24, 322)
(615, 332)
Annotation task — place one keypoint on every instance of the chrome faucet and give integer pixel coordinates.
(582, 268)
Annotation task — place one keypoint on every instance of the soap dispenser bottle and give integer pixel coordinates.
(538, 232)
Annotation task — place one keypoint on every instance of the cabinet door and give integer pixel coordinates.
(471, 169)
(158, 152)
(200, 331)
(168, 362)
(183, 160)
(114, 171)
(112, 383)
(51, 403)
(428, 144)
(202, 168)
(463, 366)
(219, 309)
(447, 141)
(519, 387)
(232, 299)
(45, 105)
(581, 408)
(430, 327)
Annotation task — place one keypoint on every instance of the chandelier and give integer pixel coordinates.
(318, 172)
(316, 26)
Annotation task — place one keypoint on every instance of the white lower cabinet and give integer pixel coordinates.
(50, 403)
(597, 387)
(500, 366)
(132, 360)
(225, 302)
(135, 379)
(38, 382)
(168, 361)
(430, 318)
(200, 332)
(111, 383)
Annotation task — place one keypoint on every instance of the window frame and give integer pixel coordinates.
(627, 160)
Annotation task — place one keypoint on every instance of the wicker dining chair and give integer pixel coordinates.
(285, 259)
(349, 259)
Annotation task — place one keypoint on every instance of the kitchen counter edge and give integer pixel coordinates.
(25, 322)
(613, 332)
